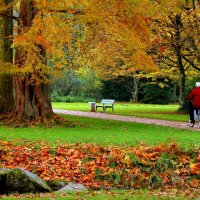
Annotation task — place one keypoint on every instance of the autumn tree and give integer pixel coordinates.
(114, 37)
(120, 40)
(40, 38)
(176, 43)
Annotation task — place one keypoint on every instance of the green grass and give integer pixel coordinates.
(167, 112)
(107, 132)
(109, 195)
(104, 132)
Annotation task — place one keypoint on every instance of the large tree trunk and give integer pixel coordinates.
(178, 46)
(182, 86)
(32, 98)
(6, 55)
(182, 77)
(32, 102)
(6, 93)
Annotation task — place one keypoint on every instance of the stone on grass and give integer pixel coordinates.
(56, 185)
(3, 175)
(73, 187)
(22, 181)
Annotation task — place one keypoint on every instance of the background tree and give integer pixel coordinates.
(175, 46)
(120, 43)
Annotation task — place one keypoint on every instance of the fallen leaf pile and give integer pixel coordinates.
(163, 166)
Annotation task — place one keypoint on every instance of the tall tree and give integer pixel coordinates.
(120, 40)
(115, 34)
(30, 71)
(176, 32)
(32, 95)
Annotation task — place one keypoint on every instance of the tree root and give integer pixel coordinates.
(53, 121)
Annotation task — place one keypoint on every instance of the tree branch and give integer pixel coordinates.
(191, 63)
(8, 16)
(168, 64)
(186, 68)
(169, 59)
(72, 11)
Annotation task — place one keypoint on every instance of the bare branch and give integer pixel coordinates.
(169, 59)
(191, 63)
(8, 16)
(71, 11)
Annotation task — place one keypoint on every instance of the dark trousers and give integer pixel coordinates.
(192, 108)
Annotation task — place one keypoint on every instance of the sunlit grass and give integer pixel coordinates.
(167, 112)
(104, 132)
(108, 132)
(108, 195)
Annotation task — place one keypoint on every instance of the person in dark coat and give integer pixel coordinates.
(194, 101)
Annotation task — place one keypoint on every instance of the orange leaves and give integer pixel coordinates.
(195, 183)
(40, 40)
(184, 159)
(101, 167)
(119, 37)
(195, 168)
(70, 34)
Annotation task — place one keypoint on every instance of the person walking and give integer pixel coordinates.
(194, 101)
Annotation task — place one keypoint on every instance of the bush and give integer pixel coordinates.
(118, 89)
(154, 94)
(82, 85)
(70, 99)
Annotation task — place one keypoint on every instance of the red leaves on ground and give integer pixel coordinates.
(195, 168)
(96, 166)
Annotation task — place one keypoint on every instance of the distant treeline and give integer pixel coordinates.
(78, 87)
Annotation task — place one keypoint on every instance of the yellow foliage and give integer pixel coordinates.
(109, 35)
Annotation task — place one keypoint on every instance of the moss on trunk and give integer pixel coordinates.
(6, 55)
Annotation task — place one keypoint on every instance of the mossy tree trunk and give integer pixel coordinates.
(6, 55)
(32, 102)
(32, 98)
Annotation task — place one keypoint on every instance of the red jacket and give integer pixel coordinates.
(194, 96)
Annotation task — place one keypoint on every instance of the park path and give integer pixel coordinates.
(181, 125)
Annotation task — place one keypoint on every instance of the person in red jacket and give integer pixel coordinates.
(194, 101)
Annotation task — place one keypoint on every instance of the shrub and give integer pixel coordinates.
(154, 94)
(80, 85)
(70, 99)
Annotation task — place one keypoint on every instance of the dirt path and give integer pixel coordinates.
(181, 125)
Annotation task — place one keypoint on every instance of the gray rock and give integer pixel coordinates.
(56, 185)
(73, 187)
(3, 175)
(22, 181)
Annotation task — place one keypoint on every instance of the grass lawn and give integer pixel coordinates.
(109, 195)
(167, 112)
(104, 132)
(108, 132)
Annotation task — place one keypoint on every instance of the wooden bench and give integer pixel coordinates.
(106, 103)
